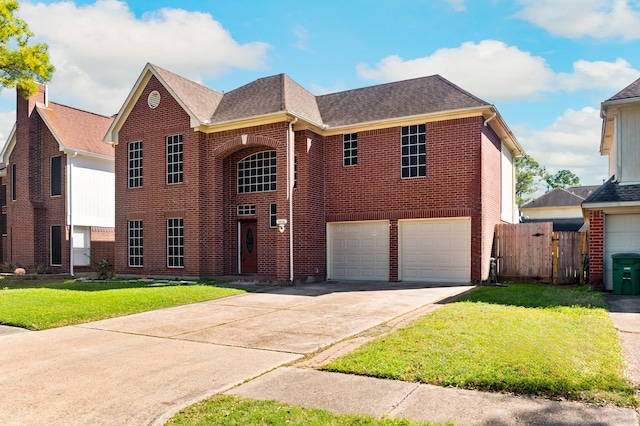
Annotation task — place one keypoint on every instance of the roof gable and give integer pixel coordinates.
(613, 192)
(75, 129)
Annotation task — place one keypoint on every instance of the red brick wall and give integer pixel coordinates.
(156, 200)
(491, 197)
(30, 217)
(373, 189)
(596, 248)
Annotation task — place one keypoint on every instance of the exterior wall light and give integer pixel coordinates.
(281, 223)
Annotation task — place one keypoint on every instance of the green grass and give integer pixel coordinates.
(527, 339)
(229, 410)
(37, 306)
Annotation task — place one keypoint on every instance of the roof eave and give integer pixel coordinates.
(8, 146)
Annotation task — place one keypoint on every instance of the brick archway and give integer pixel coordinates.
(242, 141)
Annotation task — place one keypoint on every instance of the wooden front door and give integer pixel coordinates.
(248, 247)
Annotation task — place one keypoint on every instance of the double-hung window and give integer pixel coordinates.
(56, 176)
(175, 242)
(174, 159)
(135, 164)
(350, 149)
(414, 151)
(135, 243)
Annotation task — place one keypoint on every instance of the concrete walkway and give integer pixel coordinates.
(141, 369)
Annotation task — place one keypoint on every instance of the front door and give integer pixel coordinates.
(248, 247)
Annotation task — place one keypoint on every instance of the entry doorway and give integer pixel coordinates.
(248, 247)
(81, 246)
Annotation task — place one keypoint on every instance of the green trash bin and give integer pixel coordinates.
(626, 273)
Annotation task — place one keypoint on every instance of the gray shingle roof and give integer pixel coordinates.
(265, 96)
(280, 93)
(631, 91)
(562, 197)
(199, 99)
(614, 192)
(398, 99)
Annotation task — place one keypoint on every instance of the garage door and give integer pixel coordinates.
(622, 236)
(435, 250)
(358, 250)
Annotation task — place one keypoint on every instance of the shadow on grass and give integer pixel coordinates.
(91, 286)
(536, 295)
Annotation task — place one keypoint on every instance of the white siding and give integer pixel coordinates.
(628, 130)
(92, 192)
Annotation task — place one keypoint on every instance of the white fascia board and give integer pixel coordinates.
(7, 149)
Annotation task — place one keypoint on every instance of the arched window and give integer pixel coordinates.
(257, 172)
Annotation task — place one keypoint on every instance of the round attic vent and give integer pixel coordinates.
(154, 99)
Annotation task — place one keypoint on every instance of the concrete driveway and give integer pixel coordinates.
(141, 369)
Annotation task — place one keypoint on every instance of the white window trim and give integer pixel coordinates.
(140, 168)
(180, 162)
(402, 156)
(272, 177)
(181, 237)
(129, 246)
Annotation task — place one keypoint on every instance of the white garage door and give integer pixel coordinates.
(358, 250)
(622, 235)
(435, 250)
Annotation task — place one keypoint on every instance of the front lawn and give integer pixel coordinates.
(527, 339)
(37, 306)
(229, 410)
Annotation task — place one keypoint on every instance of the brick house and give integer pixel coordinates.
(399, 181)
(613, 211)
(57, 187)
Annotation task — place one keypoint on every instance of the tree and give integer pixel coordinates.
(529, 175)
(20, 62)
(563, 179)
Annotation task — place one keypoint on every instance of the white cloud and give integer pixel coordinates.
(598, 75)
(579, 18)
(100, 49)
(492, 70)
(302, 37)
(488, 69)
(458, 5)
(572, 142)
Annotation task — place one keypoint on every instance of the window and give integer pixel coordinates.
(350, 149)
(247, 210)
(257, 172)
(135, 243)
(13, 182)
(414, 151)
(3, 223)
(295, 172)
(174, 159)
(3, 195)
(56, 176)
(273, 215)
(175, 243)
(56, 245)
(135, 164)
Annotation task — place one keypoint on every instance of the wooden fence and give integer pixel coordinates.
(534, 252)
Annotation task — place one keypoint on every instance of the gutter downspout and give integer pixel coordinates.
(290, 182)
(490, 118)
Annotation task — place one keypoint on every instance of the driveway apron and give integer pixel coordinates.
(143, 368)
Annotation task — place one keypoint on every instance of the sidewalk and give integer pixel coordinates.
(341, 393)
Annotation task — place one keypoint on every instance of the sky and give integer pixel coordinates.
(545, 64)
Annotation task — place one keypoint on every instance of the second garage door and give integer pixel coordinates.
(358, 250)
(435, 250)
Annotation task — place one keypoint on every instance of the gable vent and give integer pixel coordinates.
(154, 99)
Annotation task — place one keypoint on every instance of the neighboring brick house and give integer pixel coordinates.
(613, 211)
(561, 206)
(57, 187)
(399, 181)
